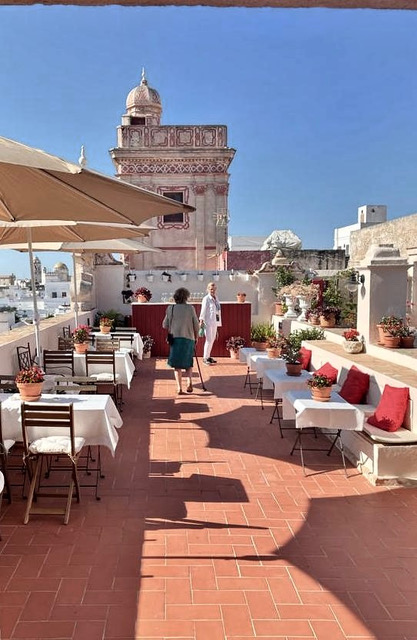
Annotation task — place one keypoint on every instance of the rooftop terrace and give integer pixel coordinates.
(208, 530)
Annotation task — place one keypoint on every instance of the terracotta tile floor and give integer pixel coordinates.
(208, 530)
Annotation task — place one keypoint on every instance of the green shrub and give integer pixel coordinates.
(261, 331)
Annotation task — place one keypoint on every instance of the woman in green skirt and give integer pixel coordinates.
(182, 323)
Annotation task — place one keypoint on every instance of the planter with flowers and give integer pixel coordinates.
(241, 297)
(320, 387)
(30, 382)
(407, 338)
(328, 316)
(390, 330)
(290, 353)
(106, 324)
(313, 316)
(352, 342)
(148, 343)
(274, 346)
(234, 344)
(166, 277)
(80, 337)
(143, 294)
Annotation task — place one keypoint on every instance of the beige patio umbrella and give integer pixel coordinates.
(117, 245)
(35, 185)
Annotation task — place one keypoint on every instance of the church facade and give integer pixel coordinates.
(188, 163)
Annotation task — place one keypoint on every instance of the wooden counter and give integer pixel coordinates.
(236, 320)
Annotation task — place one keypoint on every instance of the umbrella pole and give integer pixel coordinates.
(36, 320)
(74, 268)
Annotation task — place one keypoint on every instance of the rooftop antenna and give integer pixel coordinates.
(143, 78)
(82, 160)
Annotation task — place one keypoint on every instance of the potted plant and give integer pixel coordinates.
(241, 297)
(320, 387)
(216, 276)
(143, 294)
(259, 334)
(352, 342)
(232, 275)
(234, 344)
(29, 382)
(166, 277)
(392, 327)
(200, 276)
(274, 346)
(407, 337)
(80, 337)
(149, 276)
(283, 277)
(183, 275)
(328, 316)
(148, 342)
(290, 353)
(106, 324)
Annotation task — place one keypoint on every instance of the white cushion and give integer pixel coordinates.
(104, 377)
(1, 482)
(56, 444)
(402, 436)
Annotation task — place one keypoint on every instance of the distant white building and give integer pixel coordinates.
(245, 243)
(368, 215)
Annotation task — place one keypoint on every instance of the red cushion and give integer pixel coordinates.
(328, 370)
(355, 387)
(390, 412)
(305, 357)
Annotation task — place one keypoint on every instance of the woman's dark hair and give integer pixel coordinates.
(181, 295)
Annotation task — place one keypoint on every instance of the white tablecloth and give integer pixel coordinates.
(124, 367)
(283, 383)
(95, 418)
(136, 345)
(260, 363)
(243, 354)
(335, 414)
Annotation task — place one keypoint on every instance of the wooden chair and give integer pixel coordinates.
(50, 418)
(66, 331)
(7, 383)
(65, 344)
(1, 490)
(58, 362)
(24, 357)
(108, 381)
(107, 344)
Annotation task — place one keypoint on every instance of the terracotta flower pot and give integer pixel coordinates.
(273, 352)
(80, 347)
(321, 394)
(234, 354)
(314, 320)
(352, 346)
(259, 346)
(329, 322)
(381, 333)
(294, 369)
(104, 329)
(407, 342)
(392, 342)
(278, 309)
(30, 391)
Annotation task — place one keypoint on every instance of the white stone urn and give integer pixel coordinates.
(290, 313)
(352, 346)
(303, 304)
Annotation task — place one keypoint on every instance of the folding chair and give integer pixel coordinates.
(95, 364)
(65, 344)
(24, 357)
(1, 491)
(48, 418)
(58, 362)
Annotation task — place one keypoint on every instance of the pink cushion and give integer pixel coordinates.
(328, 370)
(390, 412)
(305, 357)
(355, 387)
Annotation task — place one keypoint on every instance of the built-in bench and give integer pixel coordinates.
(382, 456)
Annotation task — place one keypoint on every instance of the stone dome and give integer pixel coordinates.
(60, 266)
(143, 100)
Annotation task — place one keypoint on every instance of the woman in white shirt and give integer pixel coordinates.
(210, 319)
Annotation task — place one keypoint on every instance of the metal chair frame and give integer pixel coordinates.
(24, 357)
(104, 358)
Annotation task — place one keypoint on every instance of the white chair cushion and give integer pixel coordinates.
(104, 377)
(56, 445)
(402, 436)
(1, 483)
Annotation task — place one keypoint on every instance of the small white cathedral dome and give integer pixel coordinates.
(60, 266)
(143, 100)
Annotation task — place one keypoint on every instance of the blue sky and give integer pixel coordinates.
(321, 105)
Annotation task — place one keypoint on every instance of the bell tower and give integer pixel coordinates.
(188, 163)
